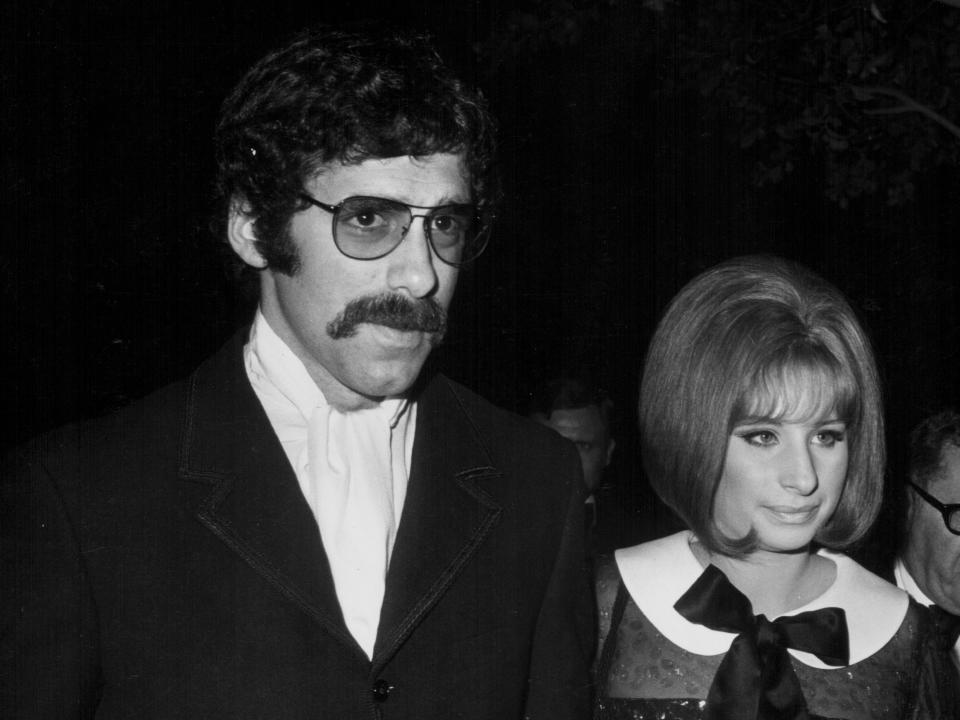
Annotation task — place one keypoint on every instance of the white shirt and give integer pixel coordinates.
(293, 403)
(906, 582)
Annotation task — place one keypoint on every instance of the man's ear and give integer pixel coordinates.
(611, 446)
(911, 501)
(241, 232)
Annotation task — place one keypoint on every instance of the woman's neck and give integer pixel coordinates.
(775, 583)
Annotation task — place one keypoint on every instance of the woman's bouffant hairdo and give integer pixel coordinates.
(336, 96)
(757, 337)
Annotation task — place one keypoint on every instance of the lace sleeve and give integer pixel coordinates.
(936, 691)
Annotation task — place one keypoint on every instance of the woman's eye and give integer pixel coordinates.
(760, 438)
(828, 438)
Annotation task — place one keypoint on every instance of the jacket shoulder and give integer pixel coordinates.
(504, 429)
(153, 419)
(150, 423)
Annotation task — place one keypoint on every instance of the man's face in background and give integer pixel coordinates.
(587, 429)
(932, 553)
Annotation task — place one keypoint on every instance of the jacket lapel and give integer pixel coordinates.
(257, 509)
(255, 506)
(446, 515)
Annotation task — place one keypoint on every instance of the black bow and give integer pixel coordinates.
(755, 678)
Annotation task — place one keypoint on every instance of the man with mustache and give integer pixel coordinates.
(307, 527)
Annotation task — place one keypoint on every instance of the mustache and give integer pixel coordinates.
(390, 310)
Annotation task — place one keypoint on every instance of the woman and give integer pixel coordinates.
(761, 426)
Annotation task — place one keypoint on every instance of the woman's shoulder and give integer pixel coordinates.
(606, 586)
(656, 560)
(855, 577)
(875, 609)
(656, 574)
(606, 578)
(639, 568)
(605, 569)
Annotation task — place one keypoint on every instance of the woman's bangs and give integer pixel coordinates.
(798, 387)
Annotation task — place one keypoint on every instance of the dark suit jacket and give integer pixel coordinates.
(162, 563)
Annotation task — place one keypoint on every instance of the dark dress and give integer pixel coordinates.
(641, 673)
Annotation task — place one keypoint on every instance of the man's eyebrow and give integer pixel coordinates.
(449, 200)
(444, 201)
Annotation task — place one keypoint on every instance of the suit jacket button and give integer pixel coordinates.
(381, 690)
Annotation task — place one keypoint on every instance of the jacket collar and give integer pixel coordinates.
(256, 508)
(446, 516)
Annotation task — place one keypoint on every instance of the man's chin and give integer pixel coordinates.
(389, 378)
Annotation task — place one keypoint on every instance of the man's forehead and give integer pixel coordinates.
(407, 178)
(945, 484)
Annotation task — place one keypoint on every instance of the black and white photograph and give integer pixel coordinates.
(543, 359)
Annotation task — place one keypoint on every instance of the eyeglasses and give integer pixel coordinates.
(368, 228)
(951, 512)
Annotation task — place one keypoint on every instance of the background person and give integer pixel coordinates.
(928, 563)
(761, 425)
(582, 414)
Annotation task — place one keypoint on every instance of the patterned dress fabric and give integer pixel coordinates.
(641, 673)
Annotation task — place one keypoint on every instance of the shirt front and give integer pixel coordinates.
(352, 468)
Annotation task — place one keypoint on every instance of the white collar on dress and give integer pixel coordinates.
(905, 580)
(657, 573)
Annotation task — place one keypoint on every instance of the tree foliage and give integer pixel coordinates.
(871, 89)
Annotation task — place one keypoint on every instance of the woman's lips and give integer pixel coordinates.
(792, 515)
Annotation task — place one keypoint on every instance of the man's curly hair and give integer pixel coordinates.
(336, 96)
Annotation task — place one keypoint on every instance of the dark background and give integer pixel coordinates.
(112, 283)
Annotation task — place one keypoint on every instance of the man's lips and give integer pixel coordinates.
(397, 337)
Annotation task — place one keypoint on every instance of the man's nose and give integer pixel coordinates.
(412, 263)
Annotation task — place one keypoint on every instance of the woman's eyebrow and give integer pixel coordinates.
(758, 420)
(779, 422)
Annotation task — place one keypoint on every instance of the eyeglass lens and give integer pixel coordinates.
(368, 227)
(950, 513)
(952, 516)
